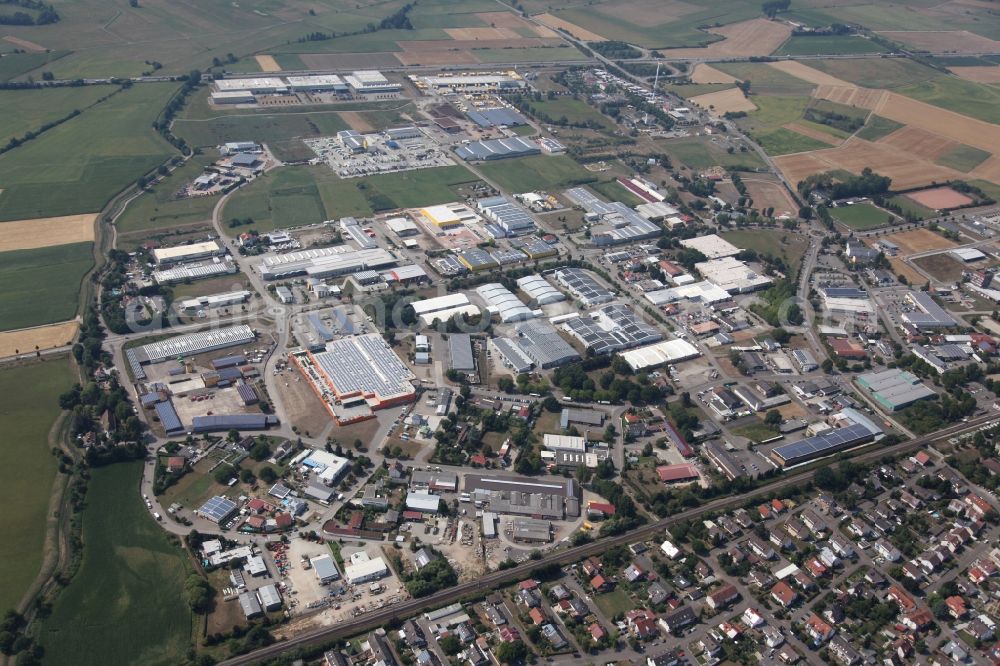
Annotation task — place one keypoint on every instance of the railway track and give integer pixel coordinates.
(412, 607)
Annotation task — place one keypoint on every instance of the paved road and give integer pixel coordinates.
(474, 588)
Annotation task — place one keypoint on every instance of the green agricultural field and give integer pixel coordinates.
(910, 206)
(963, 158)
(702, 152)
(992, 190)
(888, 73)
(540, 172)
(556, 53)
(612, 190)
(573, 111)
(828, 45)
(766, 80)
(126, 603)
(971, 99)
(294, 196)
(42, 286)
(422, 187)
(29, 409)
(861, 216)
(773, 112)
(282, 132)
(13, 65)
(783, 141)
(878, 127)
(159, 209)
(789, 247)
(79, 165)
(651, 27)
(27, 110)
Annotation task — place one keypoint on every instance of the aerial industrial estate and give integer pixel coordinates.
(459, 333)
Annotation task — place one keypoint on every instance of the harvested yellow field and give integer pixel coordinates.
(557, 23)
(988, 170)
(953, 41)
(45, 337)
(919, 142)
(707, 74)
(267, 63)
(512, 21)
(810, 74)
(936, 120)
(862, 98)
(920, 240)
(900, 267)
(47, 231)
(984, 74)
(756, 37)
(906, 170)
(475, 34)
(724, 101)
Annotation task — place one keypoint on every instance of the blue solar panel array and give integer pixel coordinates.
(320, 328)
(823, 443)
(168, 417)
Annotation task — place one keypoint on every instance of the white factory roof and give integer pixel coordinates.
(732, 275)
(365, 569)
(440, 303)
(967, 254)
(500, 299)
(539, 290)
(162, 254)
(369, 77)
(667, 351)
(422, 501)
(314, 80)
(194, 343)
(250, 83)
(657, 210)
(703, 291)
(215, 300)
(564, 443)
(712, 246)
(401, 225)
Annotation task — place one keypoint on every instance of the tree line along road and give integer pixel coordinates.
(412, 607)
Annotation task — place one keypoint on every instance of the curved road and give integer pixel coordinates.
(409, 608)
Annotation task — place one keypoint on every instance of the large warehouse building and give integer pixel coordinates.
(894, 389)
(497, 149)
(325, 262)
(860, 431)
(540, 291)
(614, 222)
(357, 375)
(166, 256)
(187, 345)
(503, 303)
(583, 287)
(611, 328)
(550, 497)
(505, 217)
(660, 353)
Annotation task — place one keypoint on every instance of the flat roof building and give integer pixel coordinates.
(732, 275)
(543, 345)
(610, 329)
(895, 389)
(255, 84)
(325, 262)
(193, 344)
(496, 149)
(364, 568)
(660, 353)
(614, 222)
(362, 368)
(199, 271)
(929, 314)
(165, 256)
(508, 216)
(460, 352)
(583, 287)
(860, 431)
(712, 246)
(325, 568)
